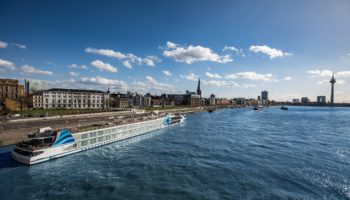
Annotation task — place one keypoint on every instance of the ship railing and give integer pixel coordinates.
(46, 133)
(118, 121)
(31, 147)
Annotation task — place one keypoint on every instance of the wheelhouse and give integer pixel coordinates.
(43, 138)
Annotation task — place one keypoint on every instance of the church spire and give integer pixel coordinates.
(199, 91)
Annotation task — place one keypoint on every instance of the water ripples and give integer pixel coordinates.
(302, 153)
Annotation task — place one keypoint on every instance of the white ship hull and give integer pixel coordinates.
(92, 139)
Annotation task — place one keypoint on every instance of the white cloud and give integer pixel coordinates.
(32, 70)
(287, 78)
(248, 85)
(167, 73)
(345, 74)
(252, 76)
(190, 54)
(128, 59)
(103, 66)
(271, 52)
(231, 76)
(105, 82)
(156, 85)
(7, 65)
(320, 73)
(151, 60)
(233, 49)
(327, 73)
(3, 44)
(127, 64)
(171, 45)
(66, 83)
(341, 82)
(74, 73)
(212, 75)
(230, 48)
(220, 83)
(22, 46)
(191, 77)
(152, 85)
(75, 66)
(106, 52)
(224, 83)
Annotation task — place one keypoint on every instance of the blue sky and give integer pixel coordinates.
(289, 48)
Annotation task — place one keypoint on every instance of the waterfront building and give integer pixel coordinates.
(38, 100)
(179, 99)
(136, 100)
(156, 102)
(305, 100)
(13, 105)
(212, 100)
(206, 101)
(192, 99)
(139, 100)
(264, 96)
(146, 101)
(10, 88)
(240, 101)
(222, 101)
(195, 100)
(321, 99)
(332, 81)
(119, 100)
(168, 103)
(296, 101)
(74, 99)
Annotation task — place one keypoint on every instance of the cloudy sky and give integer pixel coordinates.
(237, 48)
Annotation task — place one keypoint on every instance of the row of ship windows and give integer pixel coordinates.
(121, 130)
(122, 135)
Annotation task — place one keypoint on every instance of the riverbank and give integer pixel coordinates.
(12, 131)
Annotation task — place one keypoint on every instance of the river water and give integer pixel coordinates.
(301, 153)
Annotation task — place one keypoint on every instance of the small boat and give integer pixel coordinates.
(284, 108)
(255, 108)
(211, 109)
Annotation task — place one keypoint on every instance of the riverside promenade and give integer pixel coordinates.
(14, 130)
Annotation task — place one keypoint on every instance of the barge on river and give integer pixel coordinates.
(47, 144)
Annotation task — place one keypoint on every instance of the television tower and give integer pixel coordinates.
(332, 81)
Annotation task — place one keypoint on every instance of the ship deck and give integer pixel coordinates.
(118, 121)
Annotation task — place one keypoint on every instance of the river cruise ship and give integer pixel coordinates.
(47, 144)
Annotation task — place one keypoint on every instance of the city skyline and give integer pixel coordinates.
(286, 48)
